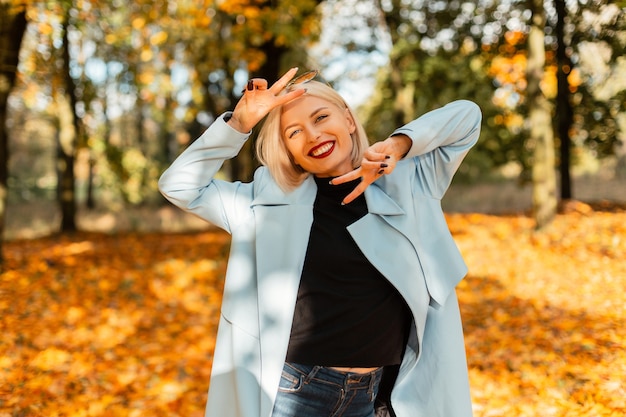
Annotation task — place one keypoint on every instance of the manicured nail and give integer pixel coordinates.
(331, 182)
(384, 165)
(250, 85)
(343, 204)
(381, 171)
(387, 156)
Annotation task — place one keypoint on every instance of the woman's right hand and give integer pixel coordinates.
(258, 100)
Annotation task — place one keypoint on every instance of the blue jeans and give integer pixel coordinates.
(318, 391)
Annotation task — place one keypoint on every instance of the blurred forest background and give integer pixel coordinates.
(105, 311)
(99, 96)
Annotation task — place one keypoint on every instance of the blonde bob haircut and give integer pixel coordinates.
(270, 146)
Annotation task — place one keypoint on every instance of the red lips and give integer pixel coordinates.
(322, 150)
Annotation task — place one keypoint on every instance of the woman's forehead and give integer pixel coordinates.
(305, 105)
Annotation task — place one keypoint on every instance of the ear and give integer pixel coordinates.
(350, 120)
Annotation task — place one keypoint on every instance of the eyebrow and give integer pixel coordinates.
(310, 115)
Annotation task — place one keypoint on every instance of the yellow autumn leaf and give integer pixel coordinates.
(158, 38)
(138, 22)
(51, 359)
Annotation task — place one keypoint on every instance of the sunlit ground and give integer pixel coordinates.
(98, 325)
(544, 314)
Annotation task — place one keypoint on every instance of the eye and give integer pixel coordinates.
(293, 133)
(321, 117)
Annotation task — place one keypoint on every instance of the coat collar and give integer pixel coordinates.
(378, 202)
(270, 194)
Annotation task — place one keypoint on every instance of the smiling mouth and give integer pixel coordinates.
(322, 150)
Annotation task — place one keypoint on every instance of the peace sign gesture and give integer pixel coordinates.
(258, 100)
(379, 159)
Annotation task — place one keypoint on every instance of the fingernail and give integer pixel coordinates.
(343, 204)
(384, 165)
(387, 156)
(331, 182)
(381, 171)
(250, 85)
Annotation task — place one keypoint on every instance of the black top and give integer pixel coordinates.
(347, 313)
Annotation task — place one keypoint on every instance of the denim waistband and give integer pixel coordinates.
(347, 379)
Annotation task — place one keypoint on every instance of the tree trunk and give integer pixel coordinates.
(12, 28)
(242, 167)
(563, 103)
(67, 142)
(540, 119)
(404, 103)
(66, 139)
(90, 201)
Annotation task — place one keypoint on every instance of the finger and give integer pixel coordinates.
(280, 100)
(255, 84)
(358, 190)
(283, 81)
(374, 165)
(249, 87)
(352, 175)
(371, 171)
(373, 155)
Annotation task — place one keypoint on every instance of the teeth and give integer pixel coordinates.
(322, 149)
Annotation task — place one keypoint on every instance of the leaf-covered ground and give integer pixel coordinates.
(100, 325)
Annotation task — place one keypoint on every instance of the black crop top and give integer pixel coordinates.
(347, 313)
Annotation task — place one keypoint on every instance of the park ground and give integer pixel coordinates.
(123, 324)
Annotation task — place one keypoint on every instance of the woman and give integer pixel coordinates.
(339, 295)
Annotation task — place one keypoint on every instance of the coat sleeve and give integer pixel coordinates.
(441, 139)
(190, 183)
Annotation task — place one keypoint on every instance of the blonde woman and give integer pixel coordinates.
(339, 295)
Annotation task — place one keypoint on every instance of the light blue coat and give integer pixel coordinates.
(405, 236)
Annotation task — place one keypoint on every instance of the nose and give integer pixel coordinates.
(312, 134)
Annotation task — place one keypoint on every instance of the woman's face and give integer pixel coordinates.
(317, 134)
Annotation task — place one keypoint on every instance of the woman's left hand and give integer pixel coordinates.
(378, 160)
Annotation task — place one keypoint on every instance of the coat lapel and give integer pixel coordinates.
(283, 223)
(382, 237)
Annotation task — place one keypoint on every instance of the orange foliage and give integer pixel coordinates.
(98, 325)
(544, 313)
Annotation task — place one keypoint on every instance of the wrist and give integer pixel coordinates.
(401, 145)
(233, 121)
